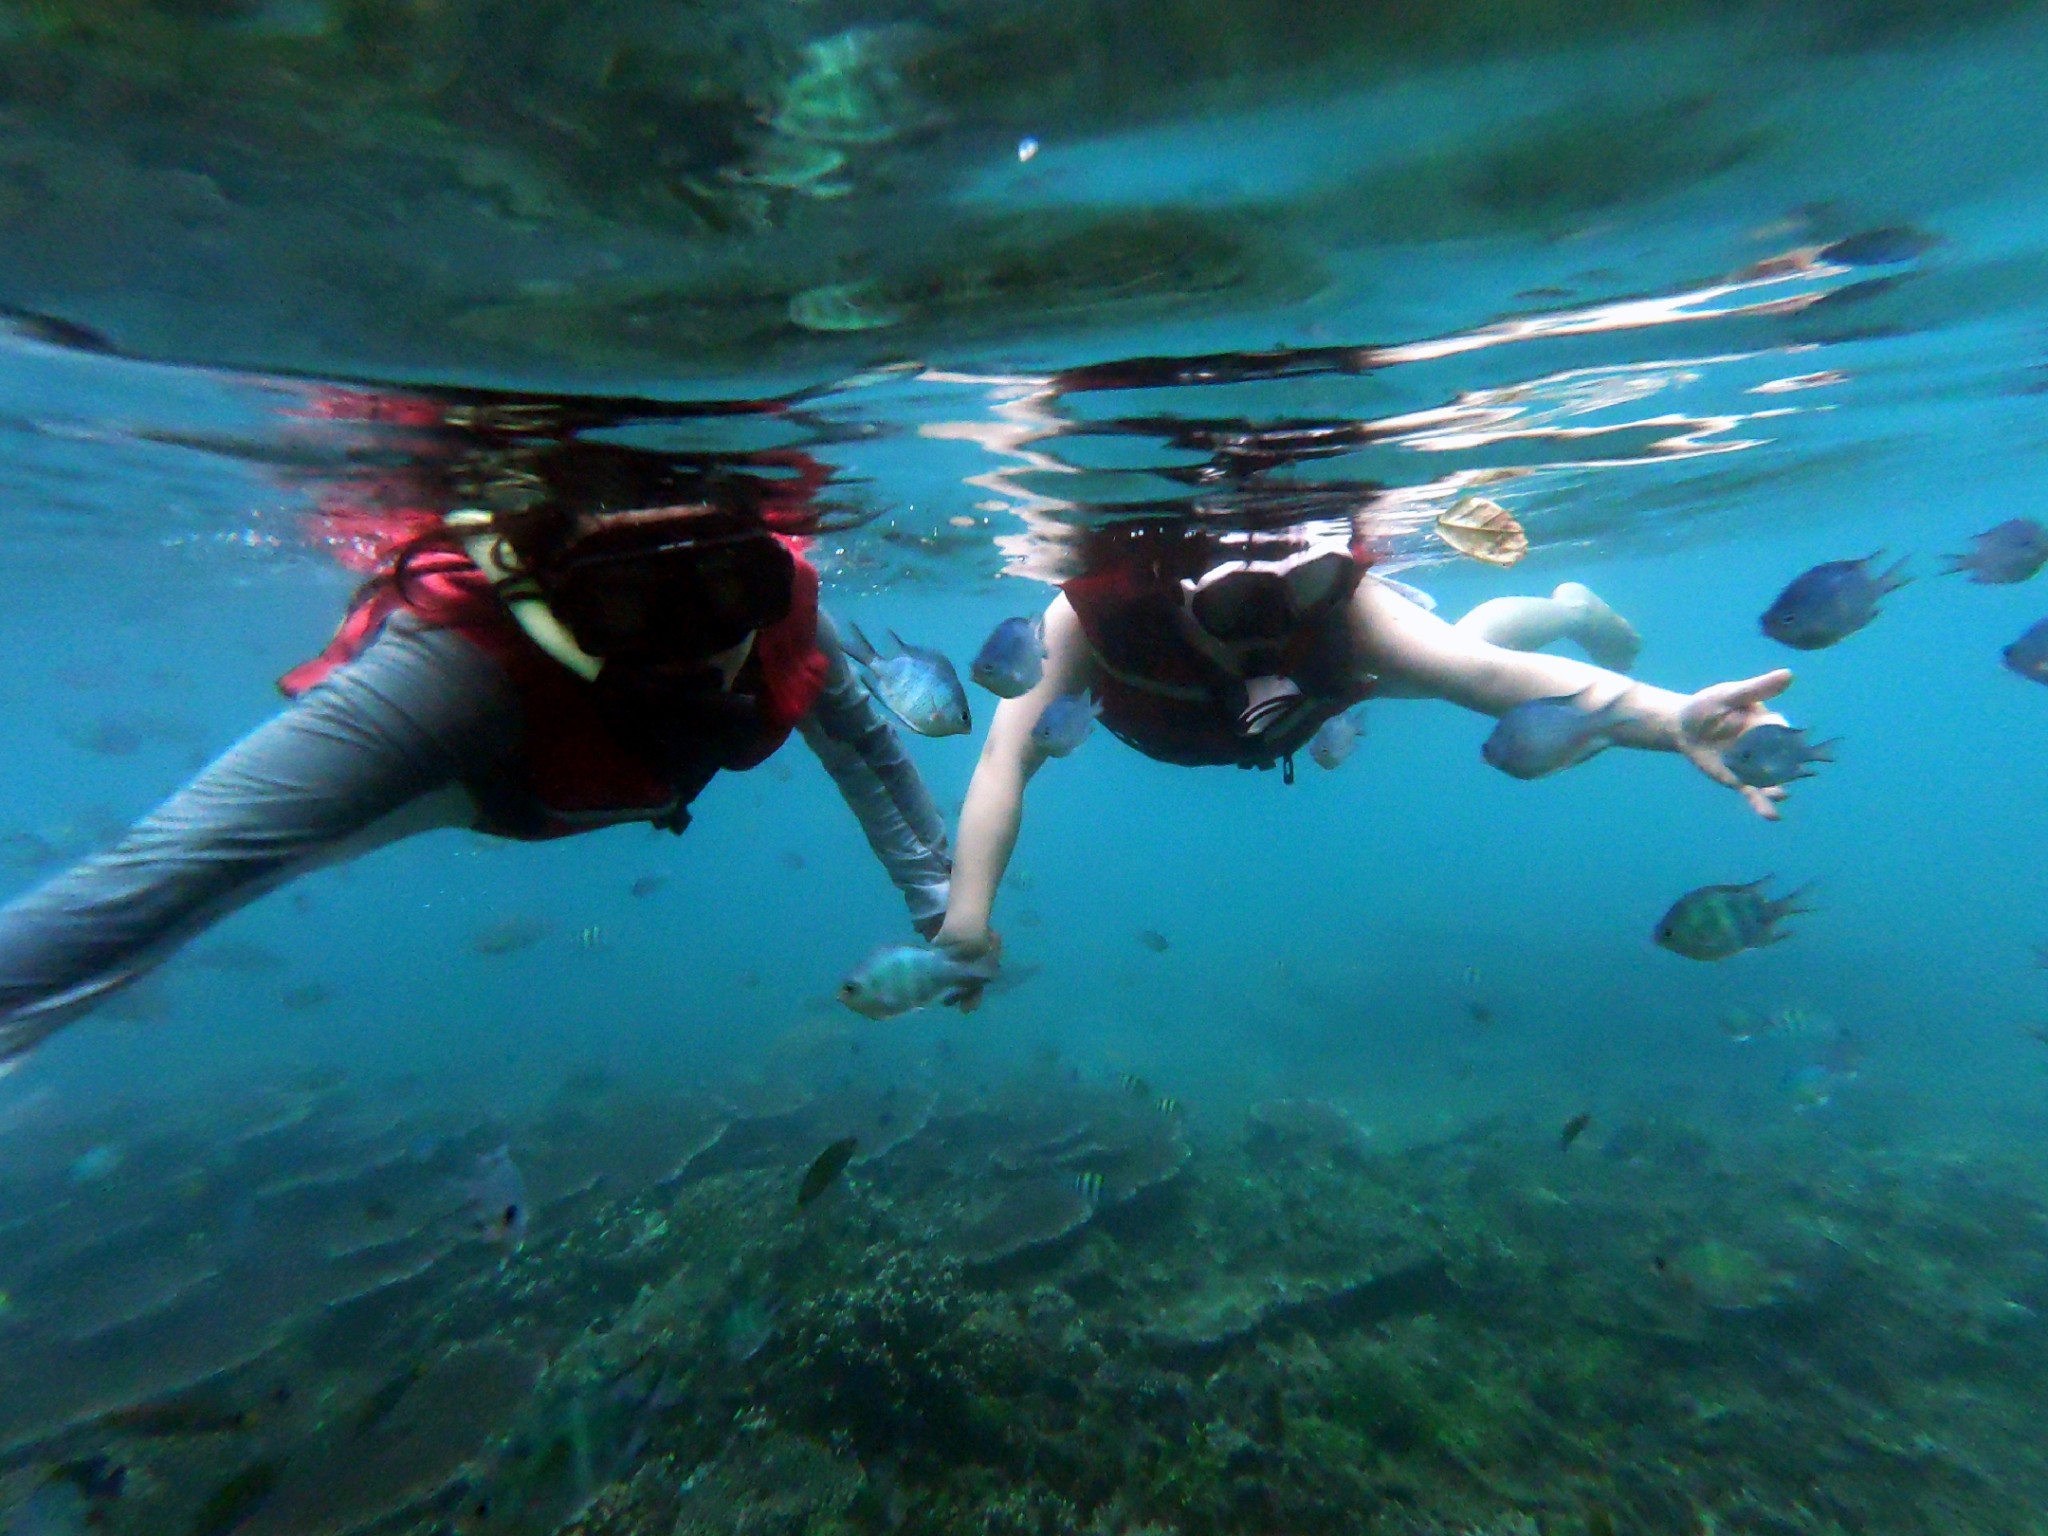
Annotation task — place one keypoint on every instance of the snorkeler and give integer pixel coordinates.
(1205, 648)
(525, 674)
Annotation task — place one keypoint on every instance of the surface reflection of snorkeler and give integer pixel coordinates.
(1207, 648)
(528, 675)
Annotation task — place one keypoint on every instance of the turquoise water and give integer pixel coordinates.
(1705, 296)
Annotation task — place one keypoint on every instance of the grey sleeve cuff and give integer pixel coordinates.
(880, 784)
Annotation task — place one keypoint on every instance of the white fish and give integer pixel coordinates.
(495, 1199)
(903, 977)
(1334, 741)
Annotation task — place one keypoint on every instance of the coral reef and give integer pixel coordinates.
(1048, 1307)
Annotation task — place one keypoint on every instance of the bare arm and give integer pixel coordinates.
(1416, 654)
(995, 797)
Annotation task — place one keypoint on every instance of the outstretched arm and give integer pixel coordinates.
(1417, 654)
(995, 798)
(880, 784)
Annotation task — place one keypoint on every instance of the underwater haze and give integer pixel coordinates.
(1340, 1150)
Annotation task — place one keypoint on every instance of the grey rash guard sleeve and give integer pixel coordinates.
(861, 750)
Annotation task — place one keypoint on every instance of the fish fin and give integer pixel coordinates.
(1597, 743)
(858, 647)
(905, 648)
(897, 715)
(1824, 751)
(1789, 905)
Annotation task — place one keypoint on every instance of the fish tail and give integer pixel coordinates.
(1894, 578)
(1790, 905)
(1824, 751)
(1957, 564)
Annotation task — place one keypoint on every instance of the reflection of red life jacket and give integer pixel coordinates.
(1170, 700)
(577, 769)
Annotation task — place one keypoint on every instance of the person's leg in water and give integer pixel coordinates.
(378, 751)
(1571, 613)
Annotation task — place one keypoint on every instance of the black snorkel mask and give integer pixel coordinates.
(667, 585)
(1256, 607)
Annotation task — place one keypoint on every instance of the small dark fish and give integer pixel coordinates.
(1089, 1185)
(305, 998)
(238, 957)
(1153, 940)
(2037, 1032)
(790, 859)
(825, 1169)
(1135, 1085)
(1543, 735)
(108, 738)
(191, 1413)
(234, 1501)
(1012, 659)
(1479, 1013)
(509, 936)
(1765, 756)
(377, 1407)
(646, 886)
(1830, 602)
(1717, 921)
(590, 939)
(1879, 247)
(2013, 551)
(53, 332)
(29, 850)
(97, 1477)
(2028, 655)
(1573, 1129)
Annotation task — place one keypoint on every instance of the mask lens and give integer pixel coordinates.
(1312, 586)
(1246, 605)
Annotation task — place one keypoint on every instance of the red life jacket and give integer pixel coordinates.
(577, 768)
(1172, 701)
